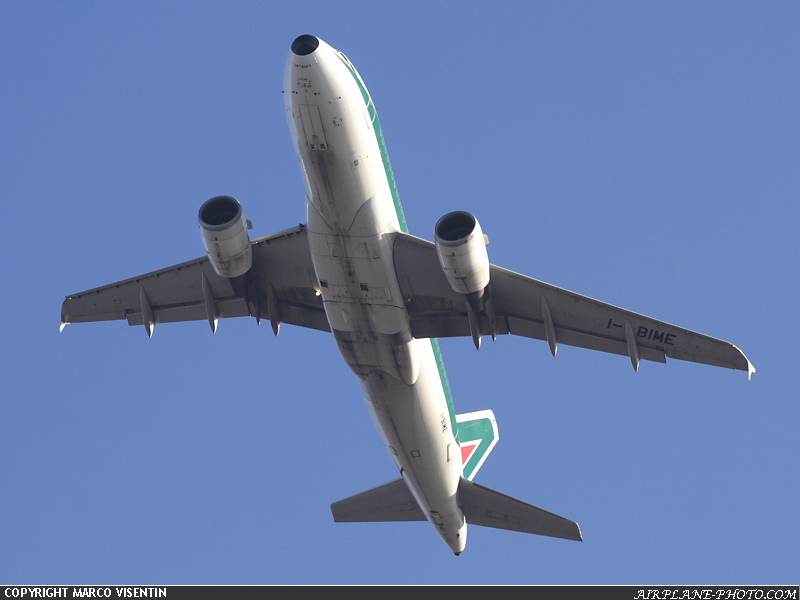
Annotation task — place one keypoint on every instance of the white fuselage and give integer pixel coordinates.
(353, 217)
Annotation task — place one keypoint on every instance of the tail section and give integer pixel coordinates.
(477, 435)
(481, 505)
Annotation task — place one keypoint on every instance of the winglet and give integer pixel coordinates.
(750, 368)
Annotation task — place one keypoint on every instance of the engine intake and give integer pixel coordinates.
(225, 236)
(462, 252)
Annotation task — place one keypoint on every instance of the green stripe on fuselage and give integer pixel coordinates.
(376, 126)
(437, 354)
(387, 167)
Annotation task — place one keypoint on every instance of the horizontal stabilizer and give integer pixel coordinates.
(391, 501)
(488, 508)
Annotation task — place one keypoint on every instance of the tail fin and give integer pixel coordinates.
(477, 435)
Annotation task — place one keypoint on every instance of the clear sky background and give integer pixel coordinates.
(646, 154)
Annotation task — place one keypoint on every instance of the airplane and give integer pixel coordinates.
(386, 296)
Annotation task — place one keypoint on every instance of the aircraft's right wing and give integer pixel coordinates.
(530, 308)
(284, 291)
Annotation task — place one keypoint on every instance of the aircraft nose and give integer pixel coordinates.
(305, 45)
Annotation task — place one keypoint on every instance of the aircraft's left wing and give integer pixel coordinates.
(527, 307)
(283, 290)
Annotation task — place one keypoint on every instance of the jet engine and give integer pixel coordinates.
(461, 246)
(225, 236)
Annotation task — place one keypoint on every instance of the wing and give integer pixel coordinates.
(523, 306)
(283, 289)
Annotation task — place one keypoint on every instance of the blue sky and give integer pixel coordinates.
(645, 154)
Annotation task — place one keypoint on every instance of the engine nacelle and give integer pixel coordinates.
(462, 252)
(225, 236)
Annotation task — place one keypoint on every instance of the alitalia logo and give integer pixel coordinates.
(477, 435)
(468, 449)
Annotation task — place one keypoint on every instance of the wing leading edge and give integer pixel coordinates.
(530, 308)
(283, 289)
